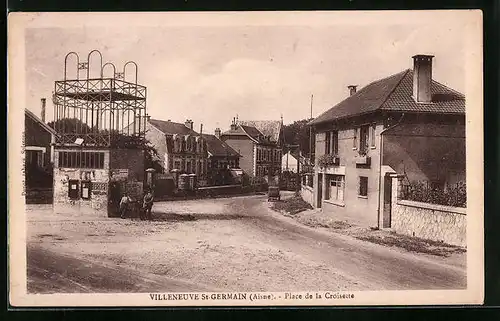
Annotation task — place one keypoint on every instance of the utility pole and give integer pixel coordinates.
(310, 134)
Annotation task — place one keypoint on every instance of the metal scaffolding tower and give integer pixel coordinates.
(98, 109)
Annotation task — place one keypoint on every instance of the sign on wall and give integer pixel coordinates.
(119, 174)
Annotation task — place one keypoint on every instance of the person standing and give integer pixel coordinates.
(124, 204)
(148, 204)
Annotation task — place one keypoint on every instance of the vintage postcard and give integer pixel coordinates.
(245, 158)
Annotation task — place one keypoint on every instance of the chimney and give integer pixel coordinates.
(44, 101)
(234, 126)
(217, 132)
(422, 78)
(189, 124)
(352, 89)
(201, 129)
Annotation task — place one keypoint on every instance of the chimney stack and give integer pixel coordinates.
(201, 129)
(233, 125)
(352, 89)
(217, 132)
(422, 78)
(44, 102)
(189, 124)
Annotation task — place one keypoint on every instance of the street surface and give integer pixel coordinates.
(227, 244)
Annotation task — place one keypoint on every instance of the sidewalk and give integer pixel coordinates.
(316, 218)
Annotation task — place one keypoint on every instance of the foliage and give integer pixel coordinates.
(297, 133)
(326, 160)
(70, 125)
(452, 195)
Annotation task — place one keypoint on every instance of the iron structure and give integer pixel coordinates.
(95, 108)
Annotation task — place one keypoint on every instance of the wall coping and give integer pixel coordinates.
(308, 188)
(436, 207)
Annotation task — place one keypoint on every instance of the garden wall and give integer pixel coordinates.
(429, 221)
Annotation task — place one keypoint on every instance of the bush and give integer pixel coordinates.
(451, 195)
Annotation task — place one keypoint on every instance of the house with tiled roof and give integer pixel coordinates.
(259, 145)
(179, 147)
(406, 125)
(39, 138)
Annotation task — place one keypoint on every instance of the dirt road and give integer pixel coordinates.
(232, 244)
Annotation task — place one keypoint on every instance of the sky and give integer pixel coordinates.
(258, 71)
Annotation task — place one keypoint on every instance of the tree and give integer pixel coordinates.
(70, 125)
(298, 133)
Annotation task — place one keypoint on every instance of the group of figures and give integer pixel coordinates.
(129, 206)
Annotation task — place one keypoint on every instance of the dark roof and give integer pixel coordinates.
(171, 128)
(394, 93)
(255, 134)
(270, 128)
(217, 147)
(30, 114)
(248, 131)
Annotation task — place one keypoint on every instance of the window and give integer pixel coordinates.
(372, 135)
(81, 159)
(363, 141)
(34, 158)
(177, 164)
(332, 143)
(310, 180)
(188, 166)
(336, 188)
(363, 186)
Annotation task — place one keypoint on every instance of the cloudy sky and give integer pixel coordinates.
(211, 72)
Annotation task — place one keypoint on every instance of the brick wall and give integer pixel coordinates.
(131, 159)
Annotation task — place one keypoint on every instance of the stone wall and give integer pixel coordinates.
(99, 179)
(429, 221)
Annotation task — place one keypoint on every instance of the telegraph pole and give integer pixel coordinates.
(310, 133)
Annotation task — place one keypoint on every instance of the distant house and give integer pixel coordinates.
(406, 124)
(38, 138)
(220, 154)
(259, 144)
(179, 146)
(290, 162)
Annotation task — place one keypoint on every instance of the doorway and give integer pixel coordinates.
(387, 201)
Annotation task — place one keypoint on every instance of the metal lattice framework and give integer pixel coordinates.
(98, 109)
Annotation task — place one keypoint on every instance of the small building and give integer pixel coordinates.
(222, 158)
(260, 145)
(99, 118)
(220, 154)
(38, 139)
(179, 147)
(290, 162)
(407, 124)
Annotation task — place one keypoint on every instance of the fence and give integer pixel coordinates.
(422, 191)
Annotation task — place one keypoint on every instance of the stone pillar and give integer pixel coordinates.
(323, 196)
(150, 178)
